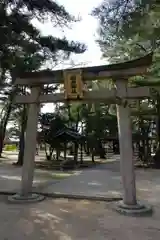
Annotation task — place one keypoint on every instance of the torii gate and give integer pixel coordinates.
(120, 74)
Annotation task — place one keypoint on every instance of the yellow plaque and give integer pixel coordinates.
(73, 84)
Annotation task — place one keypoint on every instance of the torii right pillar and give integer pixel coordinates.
(129, 204)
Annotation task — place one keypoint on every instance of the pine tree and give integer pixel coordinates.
(24, 48)
(17, 30)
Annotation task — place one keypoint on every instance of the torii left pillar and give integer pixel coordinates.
(26, 194)
(129, 205)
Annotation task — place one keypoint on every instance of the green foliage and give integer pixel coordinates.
(19, 37)
(128, 29)
(50, 125)
(131, 29)
(24, 48)
(9, 147)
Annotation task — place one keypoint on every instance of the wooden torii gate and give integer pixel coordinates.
(120, 73)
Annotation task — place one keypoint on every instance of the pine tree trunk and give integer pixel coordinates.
(3, 126)
(22, 136)
(157, 154)
(101, 150)
(1, 141)
(21, 148)
(158, 128)
(4, 121)
(76, 152)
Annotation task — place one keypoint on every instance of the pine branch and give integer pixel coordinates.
(42, 9)
(55, 44)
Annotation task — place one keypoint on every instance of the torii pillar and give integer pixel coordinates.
(26, 194)
(129, 204)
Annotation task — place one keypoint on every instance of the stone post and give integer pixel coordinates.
(126, 152)
(129, 205)
(30, 145)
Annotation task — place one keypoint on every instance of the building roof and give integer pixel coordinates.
(68, 134)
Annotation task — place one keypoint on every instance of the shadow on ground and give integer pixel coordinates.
(73, 220)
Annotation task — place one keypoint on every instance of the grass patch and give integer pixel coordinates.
(59, 176)
(53, 174)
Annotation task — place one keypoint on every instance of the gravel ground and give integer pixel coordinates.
(61, 219)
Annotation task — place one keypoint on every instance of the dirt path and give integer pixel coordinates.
(73, 220)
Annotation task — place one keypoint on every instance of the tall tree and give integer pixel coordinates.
(24, 48)
(17, 29)
(130, 29)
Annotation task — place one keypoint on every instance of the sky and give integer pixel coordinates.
(83, 31)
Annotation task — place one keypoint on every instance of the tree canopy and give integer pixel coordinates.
(23, 47)
(128, 28)
(18, 32)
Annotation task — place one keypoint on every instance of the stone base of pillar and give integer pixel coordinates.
(31, 198)
(133, 210)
